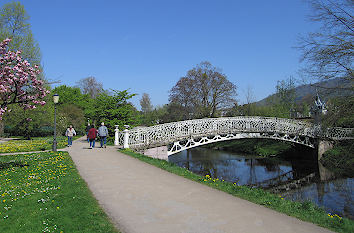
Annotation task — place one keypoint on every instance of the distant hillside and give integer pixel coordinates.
(308, 92)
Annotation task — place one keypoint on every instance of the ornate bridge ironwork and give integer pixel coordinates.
(183, 135)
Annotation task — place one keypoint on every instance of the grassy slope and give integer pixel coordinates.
(306, 211)
(43, 192)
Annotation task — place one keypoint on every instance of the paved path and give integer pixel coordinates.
(145, 199)
(3, 140)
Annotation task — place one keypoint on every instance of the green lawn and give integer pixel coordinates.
(35, 144)
(43, 192)
(306, 211)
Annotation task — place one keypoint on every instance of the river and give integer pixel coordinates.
(335, 195)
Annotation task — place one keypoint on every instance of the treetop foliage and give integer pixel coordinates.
(204, 92)
(145, 103)
(90, 86)
(14, 24)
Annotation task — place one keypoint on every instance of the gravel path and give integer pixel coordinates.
(145, 199)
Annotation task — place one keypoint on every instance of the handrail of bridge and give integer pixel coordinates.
(164, 134)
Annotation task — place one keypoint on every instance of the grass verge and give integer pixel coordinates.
(43, 192)
(306, 211)
(35, 144)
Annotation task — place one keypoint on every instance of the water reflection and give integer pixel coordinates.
(335, 196)
(234, 167)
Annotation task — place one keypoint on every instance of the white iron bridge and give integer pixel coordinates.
(183, 135)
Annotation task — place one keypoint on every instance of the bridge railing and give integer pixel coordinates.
(169, 132)
(164, 134)
(337, 133)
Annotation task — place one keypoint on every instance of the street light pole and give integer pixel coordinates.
(55, 100)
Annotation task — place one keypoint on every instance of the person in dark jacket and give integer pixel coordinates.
(92, 134)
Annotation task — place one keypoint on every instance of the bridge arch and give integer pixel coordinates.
(192, 142)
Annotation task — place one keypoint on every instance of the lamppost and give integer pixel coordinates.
(55, 100)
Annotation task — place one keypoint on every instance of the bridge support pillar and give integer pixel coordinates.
(322, 147)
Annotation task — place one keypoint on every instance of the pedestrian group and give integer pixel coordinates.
(102, 132)
(92, 133)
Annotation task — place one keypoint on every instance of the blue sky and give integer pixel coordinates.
(147, 45)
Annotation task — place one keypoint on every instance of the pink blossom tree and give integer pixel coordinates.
(19, 83)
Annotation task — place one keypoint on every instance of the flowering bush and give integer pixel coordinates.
(18, 81)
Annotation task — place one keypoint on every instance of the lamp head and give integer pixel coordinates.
(55, 98)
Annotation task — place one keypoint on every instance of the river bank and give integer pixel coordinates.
(305, 211)
(340, 159)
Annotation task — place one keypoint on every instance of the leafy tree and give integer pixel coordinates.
(284, 100)
(145, 103)
(75, 106)
(235, 110)
(328, 53)
(74, 115)
(159, 115)
(14, 24)
(90, 86)
(183, 96)
(114, 109)
(171, 112)
(30, 123)
(285, 91)
(205, 91)
(72, 95)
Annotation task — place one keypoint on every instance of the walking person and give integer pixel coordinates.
(70, 132)
(87, 130)
(92, 134)
(103, 134)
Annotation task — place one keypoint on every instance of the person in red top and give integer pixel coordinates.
(92, 134)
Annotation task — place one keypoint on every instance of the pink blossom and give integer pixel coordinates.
(18, 81)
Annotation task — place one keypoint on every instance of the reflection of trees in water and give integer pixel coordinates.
(302, 168)
(335, 196)
(252, 168)
(202, 167)
(270, 165)
(232, 167)
(346, 188)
